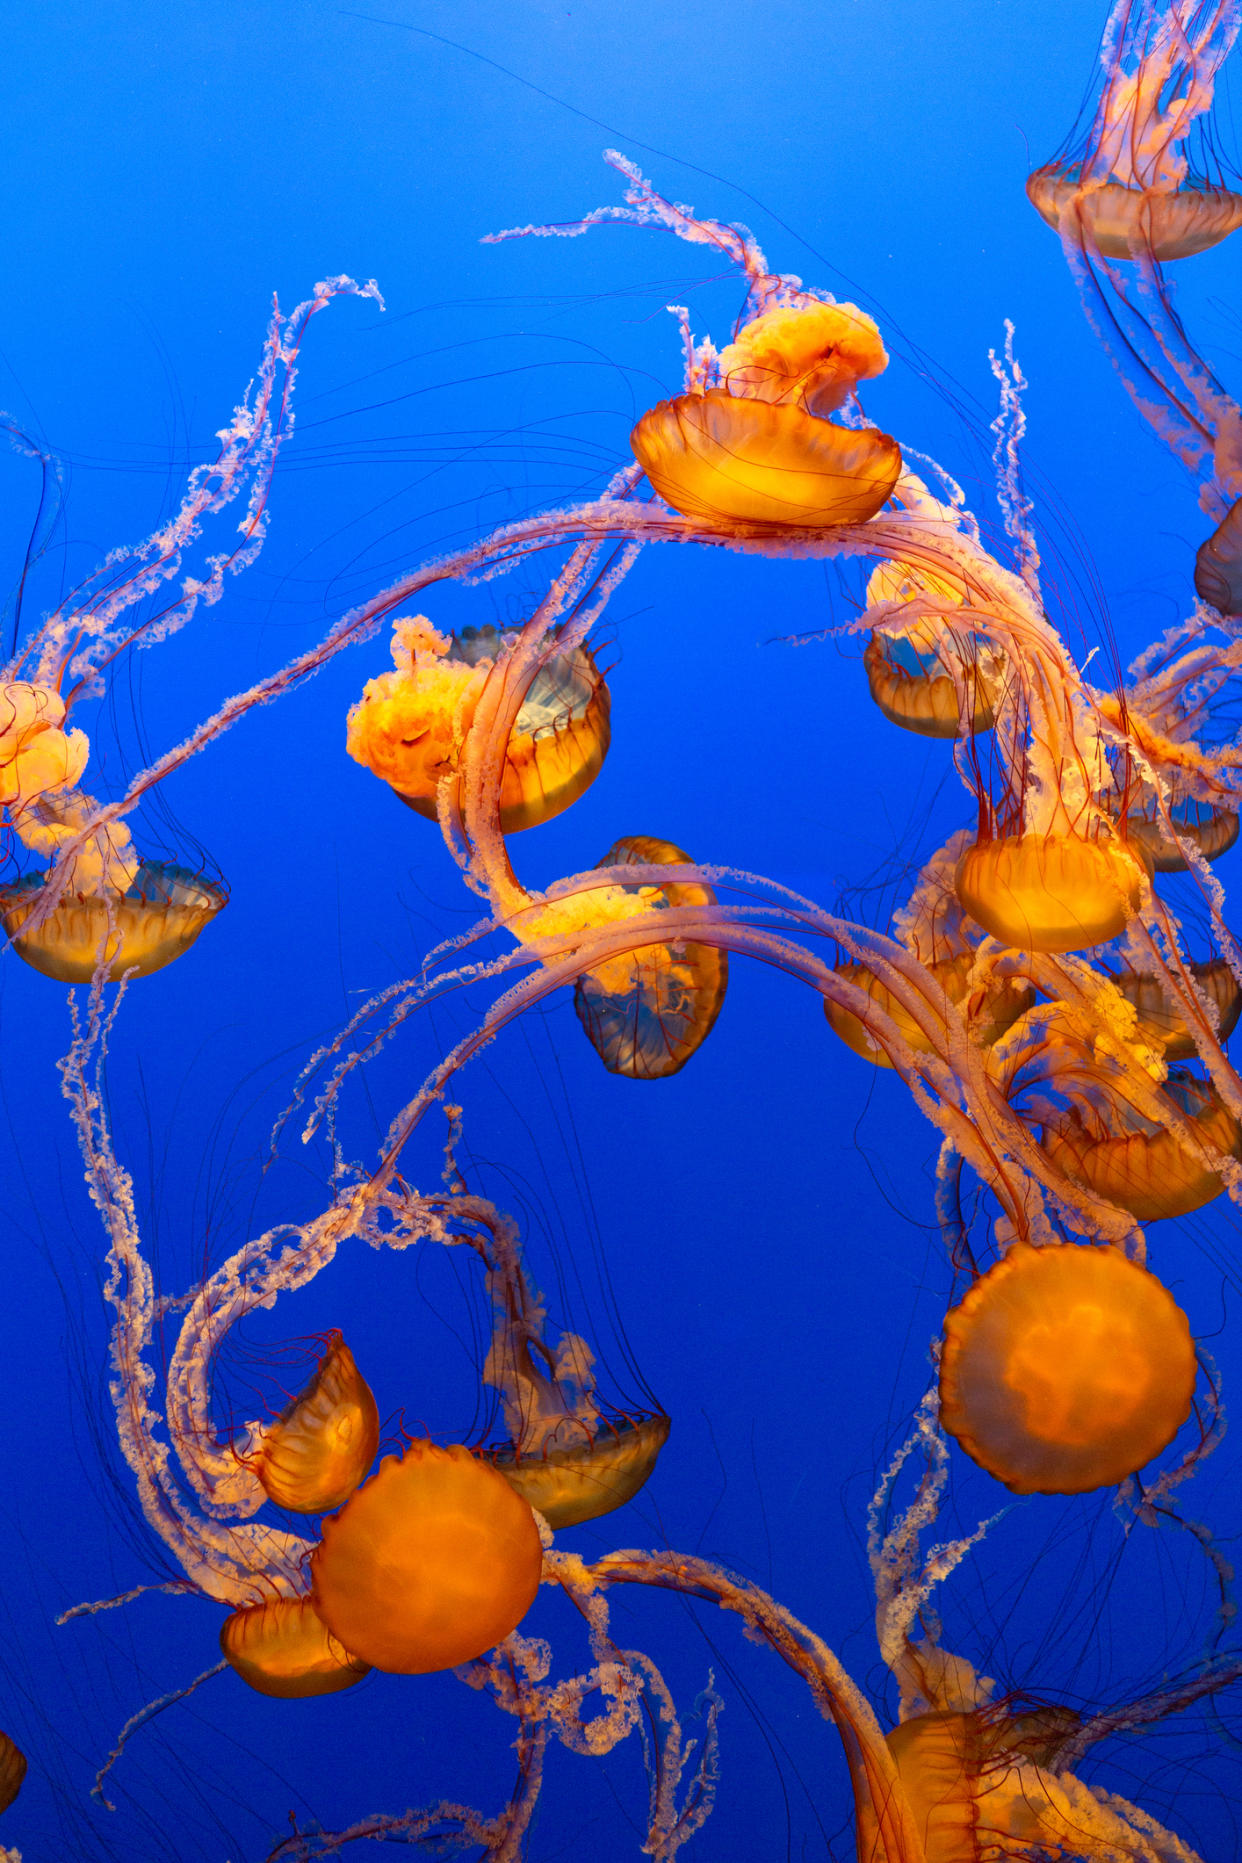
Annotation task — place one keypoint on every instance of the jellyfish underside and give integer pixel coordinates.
(284, 1649)
(431, 1562)
(919, 692)
(674, 992)
(1122, 222)
(1065, 1368)
(141, 930)
(1210, 831)
(1052, 892)
(12, 1770)
(1140, 1167)
(579, 1481)
(322, 1445)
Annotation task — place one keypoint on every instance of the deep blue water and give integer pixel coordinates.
(761, 1224)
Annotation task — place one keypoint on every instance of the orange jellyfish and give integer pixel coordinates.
(646, 1013)
(565, 1453)
(432, 1561)
(316, 1453)
(1124, 1155)
(1162, 1020)
(926, 673)
(1053, 892)
(12, 1770)
(759, 448)
(410, 724)
(979, 984)
(1129, 188)
(1066, 1368)
(100, 908)
(283, 1648)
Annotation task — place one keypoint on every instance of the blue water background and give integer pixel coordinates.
(764, 1220)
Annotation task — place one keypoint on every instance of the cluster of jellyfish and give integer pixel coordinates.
(1036, 994)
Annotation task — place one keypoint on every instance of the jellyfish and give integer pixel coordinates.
(284, 1649)
(1134, 196)
(12, 1770)
(99, 906)
(431, 1562)
(646, 1024)
(316, 1453)
(570, 1457)
(1065, 1369)
(408, 725)
(925, 674)
(751, 442)
(1129, 187)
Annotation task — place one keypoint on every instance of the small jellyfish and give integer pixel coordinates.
(990, 1002)
(926, 670)
(565, 1453)
(283, 1648)
(432, 1561)
(1162, 1021)
(1052, 892)
(1128, 189)
(1123, 1156)
(12, 1770)
(410, 724)
(647, 1012)
(759, 448)
(314, 1456)
(1209, 830)
(1065, 1368)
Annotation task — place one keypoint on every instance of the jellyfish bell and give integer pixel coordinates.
(1211, 831)
(933, 676)
(431, 1562)
(409, 725)
(990, 1004)
(571, 1481)
(645, 1014)
(12, 1770)
(1161, 1021)
(760, 450)
(316, 1453)
(1065, 1369)
(1146, 1169)
(1122, 222)
(1052, 892)
(284, 1649)
(153, 921)
(1218, 564)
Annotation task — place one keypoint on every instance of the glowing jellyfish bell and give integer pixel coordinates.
(1053, 892)
(565, 1453)
(1162, 1020)
(431, 1562)
(1065, 1368)
(759, 448)
(284, 1649)
(1123, 1156)
(316, 1453)
(409, 725)
(926, 670)
(646, 1012)
(1128, 191)
(116, 910)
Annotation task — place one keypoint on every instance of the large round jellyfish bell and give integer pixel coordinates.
(431, 1562)
(760, 449)
(1065, 1368)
